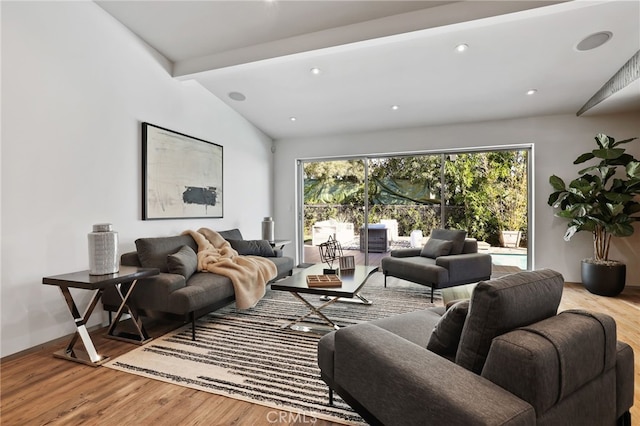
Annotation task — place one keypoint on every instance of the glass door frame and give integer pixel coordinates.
(299, 196)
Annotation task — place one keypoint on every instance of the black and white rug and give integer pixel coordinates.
(248, 355)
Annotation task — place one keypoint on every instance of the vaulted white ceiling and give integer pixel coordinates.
(373, 55)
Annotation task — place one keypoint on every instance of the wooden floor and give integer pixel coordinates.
(37, 389)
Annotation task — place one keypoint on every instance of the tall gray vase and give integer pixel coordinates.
(268, 232)
(103, 250)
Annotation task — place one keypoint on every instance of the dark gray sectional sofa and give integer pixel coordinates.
(506, 358)
(180, 295)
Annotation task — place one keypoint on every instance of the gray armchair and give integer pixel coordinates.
(448, 259)
(506, 358)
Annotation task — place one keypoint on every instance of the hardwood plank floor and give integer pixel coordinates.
(37, 389)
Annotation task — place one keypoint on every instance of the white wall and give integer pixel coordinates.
(558, 140)
(75, 87)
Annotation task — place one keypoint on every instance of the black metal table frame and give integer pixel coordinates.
(329, 299)
(89, 355)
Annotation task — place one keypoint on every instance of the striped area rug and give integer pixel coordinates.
(248, 355)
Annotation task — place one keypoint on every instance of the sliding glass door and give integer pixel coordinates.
(405, 197)
(372, 205)
(333, 207)
(487, 193)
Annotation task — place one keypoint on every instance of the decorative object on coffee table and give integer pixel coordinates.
(103, 250)
(323, 281)
(329, 252)
(347, 263)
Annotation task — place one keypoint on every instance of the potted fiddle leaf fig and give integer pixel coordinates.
(603, 200)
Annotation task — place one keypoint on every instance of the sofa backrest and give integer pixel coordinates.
(503, 304)
(548, 361)
(456, 236)
(153, 252)
(470, 246)
(231, 234)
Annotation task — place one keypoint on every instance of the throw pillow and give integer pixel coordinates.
(456, 236)
(231, 234)
(436, 248)
(153, 252)
(252, 247)
(445, 336)
(183, 262)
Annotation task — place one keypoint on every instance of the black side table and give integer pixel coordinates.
(98, 283)
(280, 243)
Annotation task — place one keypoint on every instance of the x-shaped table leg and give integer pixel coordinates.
(89, 355)
(313, 310)
(141, 336)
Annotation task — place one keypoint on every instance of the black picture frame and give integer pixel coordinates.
(182, 176)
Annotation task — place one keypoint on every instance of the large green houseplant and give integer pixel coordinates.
(603, 200)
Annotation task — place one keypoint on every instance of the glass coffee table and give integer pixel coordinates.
(352, 283)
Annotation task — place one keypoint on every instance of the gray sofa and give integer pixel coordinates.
(448, 259)
(506, 358)
(180, 292)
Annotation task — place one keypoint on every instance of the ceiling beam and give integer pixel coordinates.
(625, 76)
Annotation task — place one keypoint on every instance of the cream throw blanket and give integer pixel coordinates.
(249, 274)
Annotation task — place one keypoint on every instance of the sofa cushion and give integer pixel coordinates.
(412, 325)
(153, 252)
(416, 269)
(445, 336)
(231, 234)
(409, 326)
(203, 289)
(436, 248)
(456, 236)
(252, 247)
(503, 304)
(183, 262)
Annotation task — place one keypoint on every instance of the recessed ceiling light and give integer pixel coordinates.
(395, 107)
(532, 91)
(594, 40)
(292, 119)
(315, 70)
(462, 47)
(237, 96)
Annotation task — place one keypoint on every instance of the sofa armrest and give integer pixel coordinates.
(466, 268)
(470, 245)
(408, 252)
(401, 383)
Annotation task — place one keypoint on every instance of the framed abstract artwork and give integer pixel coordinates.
(181, 175)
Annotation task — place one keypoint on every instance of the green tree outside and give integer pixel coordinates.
(484, 192)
